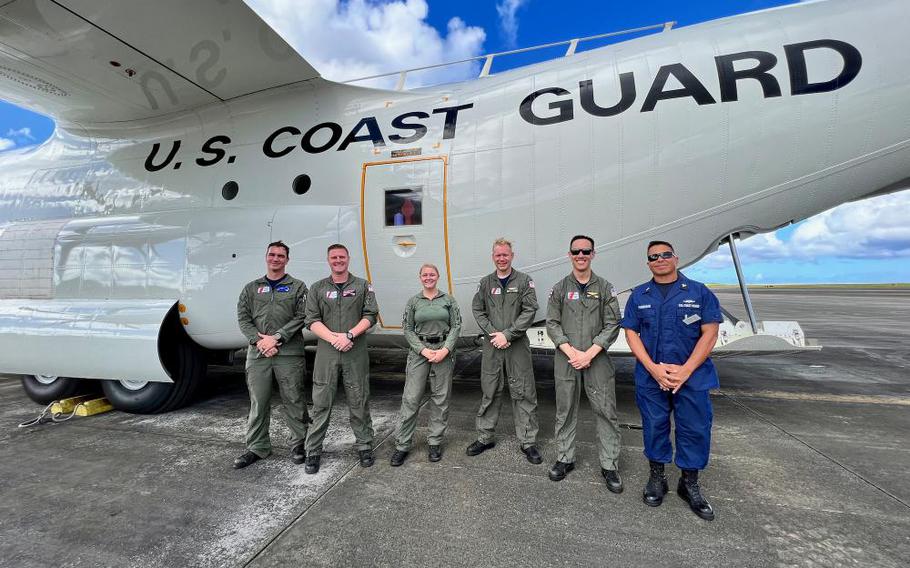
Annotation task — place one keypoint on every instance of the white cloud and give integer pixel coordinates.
(6, 144)
(507, 19)
(24, 132)
(874, 228)
(357, 38)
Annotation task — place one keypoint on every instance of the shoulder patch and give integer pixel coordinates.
(530, 283)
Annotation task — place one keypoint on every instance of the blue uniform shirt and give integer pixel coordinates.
(670, 327)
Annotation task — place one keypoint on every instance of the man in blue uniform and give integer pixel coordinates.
(671, 326)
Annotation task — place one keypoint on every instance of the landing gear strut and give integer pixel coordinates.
(743, 289)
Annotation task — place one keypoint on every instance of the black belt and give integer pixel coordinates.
(431, 338)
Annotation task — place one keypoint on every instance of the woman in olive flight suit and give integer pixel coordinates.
(432, 324)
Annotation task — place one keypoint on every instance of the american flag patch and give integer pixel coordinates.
(263, 290)
(571, 295)
(496, 291)
(331, 294)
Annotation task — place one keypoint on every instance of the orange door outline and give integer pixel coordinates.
(445, 216)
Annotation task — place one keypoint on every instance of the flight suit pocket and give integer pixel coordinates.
(321, 379)
(353, 391)
(516, 387)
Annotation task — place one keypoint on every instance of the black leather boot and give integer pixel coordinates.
(612, 479)
(559, 470)
(312, 463)
(398, 458)
(298, 453)
(656, 487)
(690, 492)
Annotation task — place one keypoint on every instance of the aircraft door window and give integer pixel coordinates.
(403, 206)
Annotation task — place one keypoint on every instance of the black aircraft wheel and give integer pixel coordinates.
(185, 362)
(45, 389)
(141, 397)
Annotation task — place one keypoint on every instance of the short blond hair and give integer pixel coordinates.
(427, 265)
(502, 242)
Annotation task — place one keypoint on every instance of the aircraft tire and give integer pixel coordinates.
(45, 390)
(186, 363)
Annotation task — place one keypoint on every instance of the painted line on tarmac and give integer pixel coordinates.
(833, 460)
(816, 397)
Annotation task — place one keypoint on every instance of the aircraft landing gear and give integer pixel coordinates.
(186, 363)
(45, 389)
(743, 289)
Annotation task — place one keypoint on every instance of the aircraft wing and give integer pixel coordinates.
(103, 61)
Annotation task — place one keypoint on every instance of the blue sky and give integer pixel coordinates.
(868, 241)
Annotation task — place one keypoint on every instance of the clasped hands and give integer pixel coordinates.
(577, 358)
(341, 342)
(499, 341)
(267, 345)
(670, 377)
(434, 355)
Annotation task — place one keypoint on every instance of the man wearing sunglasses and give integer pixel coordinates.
(671, 326)
(583, 321)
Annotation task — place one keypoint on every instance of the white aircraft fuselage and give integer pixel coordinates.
(738, 125)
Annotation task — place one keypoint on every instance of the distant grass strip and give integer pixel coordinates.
(886, 286)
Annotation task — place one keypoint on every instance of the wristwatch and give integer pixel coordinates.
(350, 336)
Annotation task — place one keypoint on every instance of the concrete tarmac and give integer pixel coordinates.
(809, 467)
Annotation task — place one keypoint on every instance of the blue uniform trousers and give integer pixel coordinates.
(693, 417)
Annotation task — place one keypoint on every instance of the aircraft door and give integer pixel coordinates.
(403, 205)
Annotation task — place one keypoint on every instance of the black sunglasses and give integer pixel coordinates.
(666, 255)
(585, 252)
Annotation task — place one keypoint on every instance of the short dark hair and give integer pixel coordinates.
(337, 246)
(287, 250)
(576, 237)
(655, 243)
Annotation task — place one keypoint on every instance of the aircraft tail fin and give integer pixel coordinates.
(104, 61)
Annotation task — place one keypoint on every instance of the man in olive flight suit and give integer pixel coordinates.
(339, 310)
(583, 321)
(270, 313)
(505, 306)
